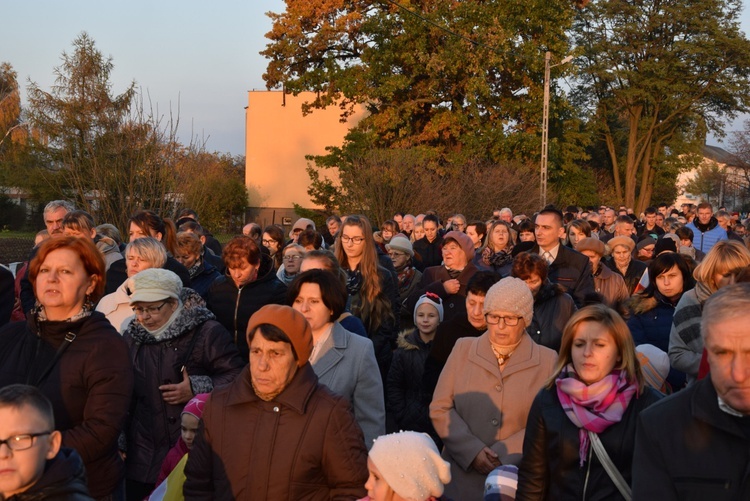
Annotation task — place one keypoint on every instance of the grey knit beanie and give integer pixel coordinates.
(511, 294)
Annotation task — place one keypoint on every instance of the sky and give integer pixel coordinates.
(195, 58)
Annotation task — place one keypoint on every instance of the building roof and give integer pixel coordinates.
(717, 154)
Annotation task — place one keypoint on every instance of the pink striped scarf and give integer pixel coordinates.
(593, 407)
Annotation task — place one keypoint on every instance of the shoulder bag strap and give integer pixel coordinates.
(69, 338)
(189, 352)
(609, 466)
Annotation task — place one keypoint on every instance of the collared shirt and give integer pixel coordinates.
(552, 253)
(725, 407)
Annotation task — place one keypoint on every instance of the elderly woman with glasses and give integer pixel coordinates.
(482, 399)
(178, 350)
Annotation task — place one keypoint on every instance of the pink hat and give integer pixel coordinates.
(463, 240)
(196, 404)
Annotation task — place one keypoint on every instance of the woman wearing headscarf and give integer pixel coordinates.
(609, 285)
(275, 432)
(622, 262)
(484, 393)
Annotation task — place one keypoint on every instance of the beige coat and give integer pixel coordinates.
(475, 405)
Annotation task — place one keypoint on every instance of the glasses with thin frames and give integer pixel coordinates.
(357, 240)
(292, 258)
(493, 319)
(22, 442)
(150, 310)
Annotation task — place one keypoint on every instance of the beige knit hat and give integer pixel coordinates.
(154, 284)
(411, 465)
(511, 294)
(624, 241)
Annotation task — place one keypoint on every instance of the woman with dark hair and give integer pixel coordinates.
(477, 230)
(273, 240)
(147, 223)
(526, 231)
(652, 310)
(428, 247)
(593, 399)
(323, 259)
(343, 361)
(496, 253)
(373, 295)
(388, 230)
(249, 284)
(553, 307)
(75, 357)
(578, 229)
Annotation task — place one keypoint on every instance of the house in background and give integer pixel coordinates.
(732, 190)
(278, 137)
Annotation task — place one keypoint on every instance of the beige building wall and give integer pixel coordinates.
(278, 137)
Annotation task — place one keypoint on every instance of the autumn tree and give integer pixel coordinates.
(458, 81)
(656, 76)
(213, 185)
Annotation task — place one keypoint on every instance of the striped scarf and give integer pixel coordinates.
(593, 407)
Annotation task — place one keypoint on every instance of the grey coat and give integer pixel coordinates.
(347, 366)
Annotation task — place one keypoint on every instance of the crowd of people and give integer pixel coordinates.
(589, 353)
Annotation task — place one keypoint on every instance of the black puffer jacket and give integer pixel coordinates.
(234, 306)
(64, 479)
(90, 385)
(553, 307)
(550, 465)
(406, 396)
(154, 425)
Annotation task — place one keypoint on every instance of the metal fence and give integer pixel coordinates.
(13, 250)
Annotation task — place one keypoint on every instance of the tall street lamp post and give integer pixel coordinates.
(545, 124)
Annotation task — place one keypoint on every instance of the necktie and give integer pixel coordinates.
(548, 257)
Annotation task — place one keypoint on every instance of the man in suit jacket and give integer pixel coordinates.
(567, 267)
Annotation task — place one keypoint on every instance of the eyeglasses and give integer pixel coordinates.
(357, 240)
(395, 254)
(268, 242)
(22, 442)
(292, 258)
(150, 310)
(493, 319)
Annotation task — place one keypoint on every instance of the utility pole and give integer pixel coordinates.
(545, 125)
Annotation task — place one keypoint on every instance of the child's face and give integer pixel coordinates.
(427, 319)
(188, 429)
(19, 470)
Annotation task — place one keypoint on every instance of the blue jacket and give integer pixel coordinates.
(706, 236)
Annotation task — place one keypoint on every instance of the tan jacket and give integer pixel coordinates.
(475, 405)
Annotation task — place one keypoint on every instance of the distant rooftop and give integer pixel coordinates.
(718, 155)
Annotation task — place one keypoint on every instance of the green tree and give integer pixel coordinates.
(461, 82)
(213, 185)
(656, 76)
(107, 152)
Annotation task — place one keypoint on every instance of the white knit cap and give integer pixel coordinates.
(411, 465)
(511, 294)
(154, 284)
(432, 299)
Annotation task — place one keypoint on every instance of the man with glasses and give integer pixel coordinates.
(32, 463)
